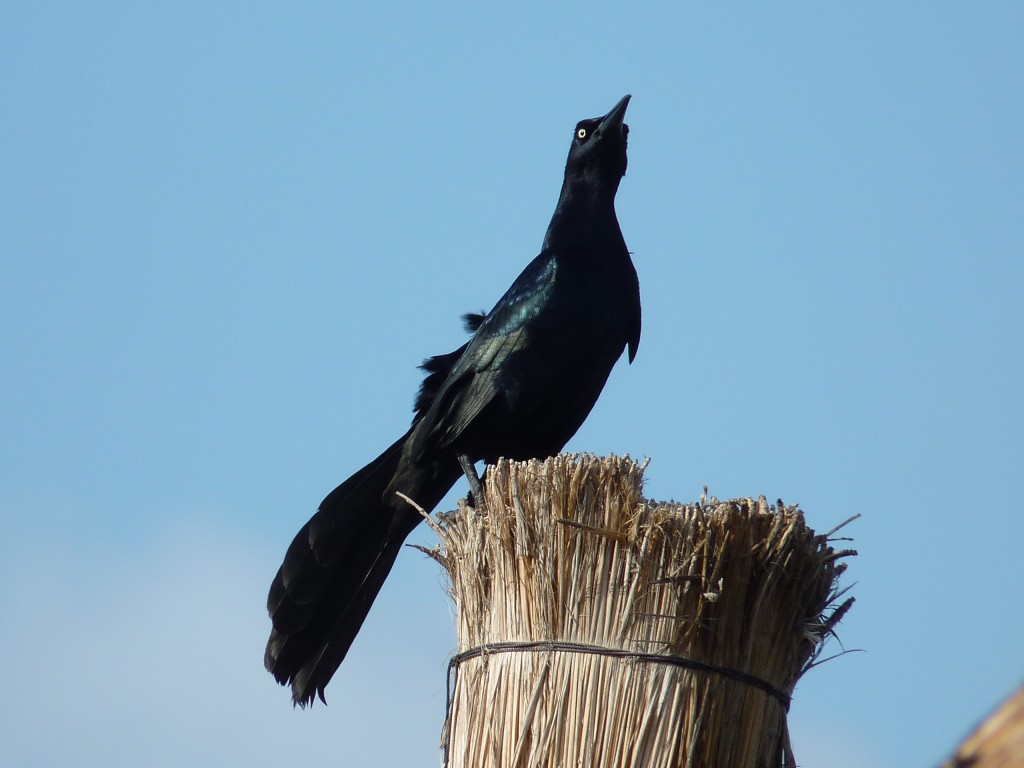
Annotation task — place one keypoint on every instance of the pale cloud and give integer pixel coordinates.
(154, 657)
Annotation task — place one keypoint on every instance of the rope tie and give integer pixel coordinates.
(537, 646)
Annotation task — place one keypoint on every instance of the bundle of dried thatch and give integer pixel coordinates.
(567, 552)
(998, 742)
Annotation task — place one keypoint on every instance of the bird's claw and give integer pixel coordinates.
(476, 489)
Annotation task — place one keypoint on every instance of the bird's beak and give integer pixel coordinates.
(613, 120)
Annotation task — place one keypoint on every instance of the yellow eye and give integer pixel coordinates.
(581, 133)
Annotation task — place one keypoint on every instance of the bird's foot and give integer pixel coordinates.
(476, 489)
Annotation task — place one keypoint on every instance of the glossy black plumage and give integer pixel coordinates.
(519, 388)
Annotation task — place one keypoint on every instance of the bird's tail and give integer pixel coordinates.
(334, 569)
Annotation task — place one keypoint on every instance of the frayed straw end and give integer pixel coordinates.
(568, 550)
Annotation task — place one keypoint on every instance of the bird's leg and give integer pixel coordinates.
(475, 488)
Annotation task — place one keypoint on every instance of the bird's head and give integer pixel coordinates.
(598, 150)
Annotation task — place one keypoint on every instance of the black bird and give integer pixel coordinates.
(519, 388)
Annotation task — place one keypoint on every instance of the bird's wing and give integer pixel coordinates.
(474, 379)
(633, 335)
(438, 367)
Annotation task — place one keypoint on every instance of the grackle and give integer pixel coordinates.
(519, 388)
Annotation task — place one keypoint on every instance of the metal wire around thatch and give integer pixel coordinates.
(567, 553)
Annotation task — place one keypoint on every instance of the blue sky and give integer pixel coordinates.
(231, 231)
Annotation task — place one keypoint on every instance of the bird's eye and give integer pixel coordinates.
(581, 133)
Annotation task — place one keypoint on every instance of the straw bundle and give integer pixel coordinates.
(998, 742)
(568, 551)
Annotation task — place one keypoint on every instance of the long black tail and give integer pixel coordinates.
(337, 564)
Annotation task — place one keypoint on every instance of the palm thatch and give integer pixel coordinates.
(567, 553)
(998, 742)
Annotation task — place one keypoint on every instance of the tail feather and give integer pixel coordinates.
(325, 568)
(341, 520)
(313, 676)
(337, 564)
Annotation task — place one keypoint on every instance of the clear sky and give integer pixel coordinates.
(229, 233)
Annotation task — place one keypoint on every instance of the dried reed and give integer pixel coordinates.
(569, 550)
(998, 742)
